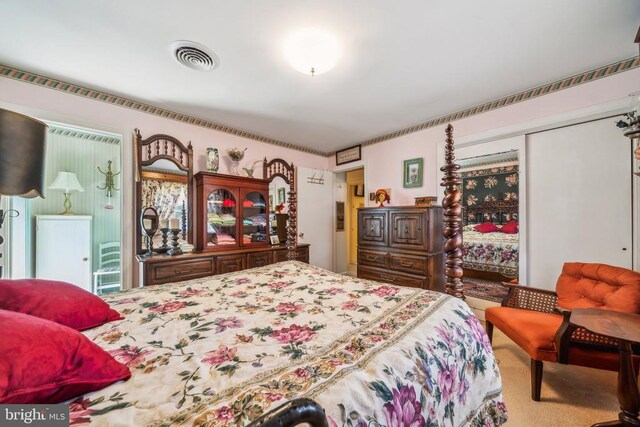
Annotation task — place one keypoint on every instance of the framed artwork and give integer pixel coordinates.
(359, 190)
(274, 240)
(348, 155)
(412, 176)
(281, 197)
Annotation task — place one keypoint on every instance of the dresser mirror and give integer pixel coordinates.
(282, 201)
(164, 181)
(278, 207)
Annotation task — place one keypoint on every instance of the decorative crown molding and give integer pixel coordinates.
(575, 80)
(77, 133)
(39, 80)
(572, 81)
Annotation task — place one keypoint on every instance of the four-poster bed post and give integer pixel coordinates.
(451, 182)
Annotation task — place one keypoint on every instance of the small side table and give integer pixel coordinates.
(625, 328)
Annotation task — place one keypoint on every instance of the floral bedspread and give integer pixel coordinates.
(495, 252)
(225, 349)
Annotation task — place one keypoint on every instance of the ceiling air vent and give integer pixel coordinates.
(194, 55)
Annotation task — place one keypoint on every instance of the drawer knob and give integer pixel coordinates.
(406, 264)
(406, 229)
(371, 258)
(388, 278)
(191, 270)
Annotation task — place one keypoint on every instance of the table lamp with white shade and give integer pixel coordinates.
(67, 182)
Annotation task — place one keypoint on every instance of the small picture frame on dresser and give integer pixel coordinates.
(274, 240)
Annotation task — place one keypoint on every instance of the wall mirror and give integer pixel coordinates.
(282, 202)
(164, 181)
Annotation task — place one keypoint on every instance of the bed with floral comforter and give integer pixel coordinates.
(495, 252)
(225, 349)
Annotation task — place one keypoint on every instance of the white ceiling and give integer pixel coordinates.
(404, 61)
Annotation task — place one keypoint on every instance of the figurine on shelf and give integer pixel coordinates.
(382, 196)
(213, 160)
(236, 156)
(253, 167)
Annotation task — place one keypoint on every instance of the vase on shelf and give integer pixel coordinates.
(236, 156)
(213, 160)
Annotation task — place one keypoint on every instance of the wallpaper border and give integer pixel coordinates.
(572, 81)
(568, 82)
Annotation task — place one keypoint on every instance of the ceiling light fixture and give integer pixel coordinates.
(312, 51)
(194, 55)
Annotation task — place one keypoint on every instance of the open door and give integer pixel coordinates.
(315, 215)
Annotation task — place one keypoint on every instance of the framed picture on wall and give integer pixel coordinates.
(412, 176)
(281, 197)
(348, 155)
(359, 190)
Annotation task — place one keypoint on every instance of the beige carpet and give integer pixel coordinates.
(571, 395)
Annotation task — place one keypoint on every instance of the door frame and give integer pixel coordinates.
(128, 275)
(568, 118)
(360, 164)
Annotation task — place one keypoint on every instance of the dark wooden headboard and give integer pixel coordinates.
(499, 212)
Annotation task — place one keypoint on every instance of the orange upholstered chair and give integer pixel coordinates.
(538, 320)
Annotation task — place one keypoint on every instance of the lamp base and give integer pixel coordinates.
(67, 205)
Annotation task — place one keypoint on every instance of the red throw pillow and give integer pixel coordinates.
(45, 362)
(510, 228)
(59, 302)
(486, 227)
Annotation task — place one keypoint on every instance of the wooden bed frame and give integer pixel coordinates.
(451, 181)
(500, 207)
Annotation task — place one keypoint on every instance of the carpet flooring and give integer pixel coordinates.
(571, 395)
(484, 289)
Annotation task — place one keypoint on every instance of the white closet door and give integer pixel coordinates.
(315, 216)
(579, 199)
(63, 249)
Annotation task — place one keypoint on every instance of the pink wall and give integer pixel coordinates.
(53, 105)
(384, 161)
(72, 109)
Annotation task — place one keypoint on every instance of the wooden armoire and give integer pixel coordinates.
(402, 246)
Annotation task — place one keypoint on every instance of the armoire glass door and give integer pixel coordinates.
(222, 230)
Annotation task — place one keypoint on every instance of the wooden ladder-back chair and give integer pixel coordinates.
(538, 320)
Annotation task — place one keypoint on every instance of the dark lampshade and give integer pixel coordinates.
(22, 150)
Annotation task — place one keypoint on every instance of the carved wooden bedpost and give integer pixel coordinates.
(452, 219)
(292, 228)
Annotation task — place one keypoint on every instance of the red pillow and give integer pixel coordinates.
(44, 362)
(510, 228)
(487, 227)
(59, 302)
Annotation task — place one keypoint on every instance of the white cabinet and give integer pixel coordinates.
(63, 249)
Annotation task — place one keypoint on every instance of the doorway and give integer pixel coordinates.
(355, 200)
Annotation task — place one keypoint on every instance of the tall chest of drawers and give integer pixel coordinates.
(402, 246)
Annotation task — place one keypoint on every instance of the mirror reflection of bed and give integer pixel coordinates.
(490, 232)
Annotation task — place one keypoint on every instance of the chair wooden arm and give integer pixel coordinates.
(527, 298)
(569, 335)
(562, 338)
